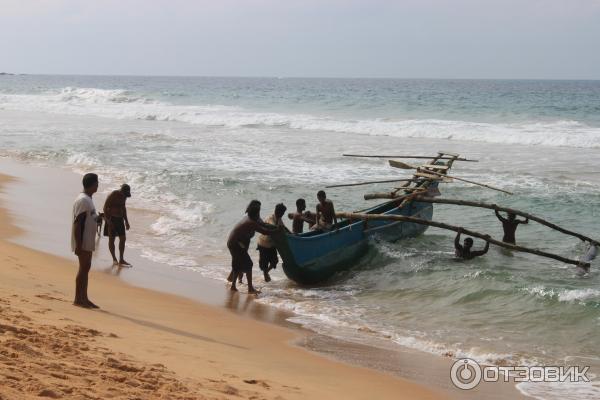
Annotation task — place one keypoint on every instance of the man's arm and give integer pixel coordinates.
(78, 229)
(457, 245)
(264, 228)
(125, 217)
(485, 249)
(500, 217)
(335, 221)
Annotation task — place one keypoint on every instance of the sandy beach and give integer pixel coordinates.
(145, 344)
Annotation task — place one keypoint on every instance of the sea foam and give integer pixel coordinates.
(123, 104)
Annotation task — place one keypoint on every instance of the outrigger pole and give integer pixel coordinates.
(373, 182)
(507, 210)
(401, 218)
(415, 157)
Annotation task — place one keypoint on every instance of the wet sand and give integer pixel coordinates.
(131, 310)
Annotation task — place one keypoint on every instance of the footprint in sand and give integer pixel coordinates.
(257, 382)
(46, 296)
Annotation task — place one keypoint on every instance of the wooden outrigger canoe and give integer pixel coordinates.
(314, 257)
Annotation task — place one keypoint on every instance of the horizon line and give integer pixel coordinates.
(5, 73)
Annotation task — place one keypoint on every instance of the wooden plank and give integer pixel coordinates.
(447, 153)
(432, 166)
(428, 176)
(441, 225)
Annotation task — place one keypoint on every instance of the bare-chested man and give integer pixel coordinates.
(465, 251)
(300, 217)
(510, 226)
(116, 222)
(326, 219)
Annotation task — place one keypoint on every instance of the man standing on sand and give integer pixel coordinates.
(83, 237)
(326, 218)
(116, 222)
(509, 225)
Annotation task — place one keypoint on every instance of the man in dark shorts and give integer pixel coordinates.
(238, 244)
(116, 222)
(509, 225)
(83, 237)
(267, 259)
(326, 218)
(464, 251)
(300, 217)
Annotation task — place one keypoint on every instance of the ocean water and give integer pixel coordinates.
(196, 150)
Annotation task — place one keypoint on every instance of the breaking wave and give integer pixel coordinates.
(123, 104)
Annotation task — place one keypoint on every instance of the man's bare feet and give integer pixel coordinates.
(81, 304)
(115, 262)
(233, 289)
(91, 305)
(125, 264)
(267, 276)
(253, 291)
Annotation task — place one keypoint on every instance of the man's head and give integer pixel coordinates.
(468, 243)
(300, 205)
(90, 183)
(126, 190)
(253, 210)
(511, 216)
(321, 196)
(280, 210)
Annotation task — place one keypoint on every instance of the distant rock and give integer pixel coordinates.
(5, 73)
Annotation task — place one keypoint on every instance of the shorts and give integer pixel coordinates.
(267, 256)
(118, 227)
(240, 259)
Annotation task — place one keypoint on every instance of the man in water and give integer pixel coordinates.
(267, 259)
(238, 244)
(510, 226)
(83, 237)
(116, 222)
(326, 219)
(465, 251)
(300, 217)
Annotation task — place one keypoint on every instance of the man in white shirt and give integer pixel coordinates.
(83, 237)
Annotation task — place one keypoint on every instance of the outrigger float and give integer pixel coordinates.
(315, 256)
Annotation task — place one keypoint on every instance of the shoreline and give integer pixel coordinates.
(415, 366)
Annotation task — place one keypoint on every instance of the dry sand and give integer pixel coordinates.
(144, 344)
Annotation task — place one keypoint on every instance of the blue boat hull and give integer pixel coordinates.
(314, 257)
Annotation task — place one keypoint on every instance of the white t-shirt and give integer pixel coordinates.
(84, 204)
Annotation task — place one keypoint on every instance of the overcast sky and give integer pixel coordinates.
(557, 39)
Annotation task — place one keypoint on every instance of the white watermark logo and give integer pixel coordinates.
(467, 374)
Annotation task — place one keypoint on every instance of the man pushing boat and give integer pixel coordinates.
(238, 244)
(267, 259)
